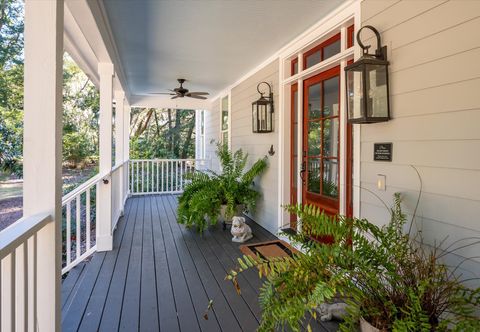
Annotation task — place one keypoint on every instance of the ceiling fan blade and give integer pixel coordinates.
(196, 96)
(174, 97)
(198, 93)
(163, 93)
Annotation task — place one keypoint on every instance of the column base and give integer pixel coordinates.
(104, 243)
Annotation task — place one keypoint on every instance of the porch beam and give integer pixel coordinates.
(42, 163)
(104, 208)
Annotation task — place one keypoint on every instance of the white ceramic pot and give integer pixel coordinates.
(367, 327)
(223, 218)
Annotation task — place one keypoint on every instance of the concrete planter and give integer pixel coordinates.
(228, 221)
(367, 327)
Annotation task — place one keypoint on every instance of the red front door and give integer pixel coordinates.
(321, 141)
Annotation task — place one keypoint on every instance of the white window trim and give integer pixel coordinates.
(229, 120)
(200, 147)
(337, 20)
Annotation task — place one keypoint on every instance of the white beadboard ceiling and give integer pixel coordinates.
(211, 43)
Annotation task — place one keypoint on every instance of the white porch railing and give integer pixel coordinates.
(79, 223)
(18, 273)
(160, 176)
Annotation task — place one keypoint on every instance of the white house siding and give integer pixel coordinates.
(434, 52)
(257, 145)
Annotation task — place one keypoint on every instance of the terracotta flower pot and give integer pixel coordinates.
(367, 327)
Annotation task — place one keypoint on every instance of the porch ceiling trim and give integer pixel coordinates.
(306, 37)
(88, 41)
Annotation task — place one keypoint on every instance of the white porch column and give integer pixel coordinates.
(126, 146)
(119, 142)
(42, 151)
(104, 198)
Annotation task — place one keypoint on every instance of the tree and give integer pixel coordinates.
(11, 85)
(81, 108)
(157, 133)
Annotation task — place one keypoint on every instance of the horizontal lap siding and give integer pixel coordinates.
(434, 52)
(257, 145)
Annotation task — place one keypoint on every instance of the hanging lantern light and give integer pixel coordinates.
(367, 84)
(262, 111)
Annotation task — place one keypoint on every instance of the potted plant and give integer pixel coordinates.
(393, 283)
(211, 195)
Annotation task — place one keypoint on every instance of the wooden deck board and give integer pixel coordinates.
(160, 276)
(96, 303)
(113, 307)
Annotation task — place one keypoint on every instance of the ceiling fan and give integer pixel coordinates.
(181, 92)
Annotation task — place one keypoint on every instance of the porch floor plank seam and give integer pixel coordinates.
(160, 276)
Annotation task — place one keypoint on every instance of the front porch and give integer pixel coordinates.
(160, 277)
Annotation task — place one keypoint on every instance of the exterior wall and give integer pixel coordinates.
(257, 145)
(435, 105)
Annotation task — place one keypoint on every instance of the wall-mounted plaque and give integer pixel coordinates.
(382, 151)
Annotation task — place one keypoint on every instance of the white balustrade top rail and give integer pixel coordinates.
(160, 176)
(19, 255)
(19, 232)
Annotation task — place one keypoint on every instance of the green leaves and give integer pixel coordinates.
(201, 201)
(389, 279)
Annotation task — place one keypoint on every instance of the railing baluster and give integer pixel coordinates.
(13, 287)
(176, 175)
(143, 178)
(181, 174)
(68, 234)
(153, 176)
(148, 168)
(137, 178)
(158, 166)
(171, 176)
(78, 229)
(163, 174)
(132, 164)
(87, 220)
(34, 282)
(25, 285)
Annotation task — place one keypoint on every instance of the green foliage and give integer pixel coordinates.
(162, 133)
(389, 279)
(201, 201)
(81, 106)
(11, 86)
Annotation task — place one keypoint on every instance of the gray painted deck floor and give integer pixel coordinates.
(160, 277)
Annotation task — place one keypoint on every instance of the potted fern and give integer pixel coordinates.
(393, 283)
(211, 196)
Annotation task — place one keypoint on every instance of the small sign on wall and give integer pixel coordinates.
(382, 151)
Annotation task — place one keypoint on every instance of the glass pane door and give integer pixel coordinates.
(321, 140)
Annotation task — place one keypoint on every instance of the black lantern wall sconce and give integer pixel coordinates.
(262, 111)
(367, 84)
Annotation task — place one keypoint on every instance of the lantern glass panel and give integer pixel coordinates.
(254, 117)
(269, 117)
(355, 92)
(263, 119)
(377, 105)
